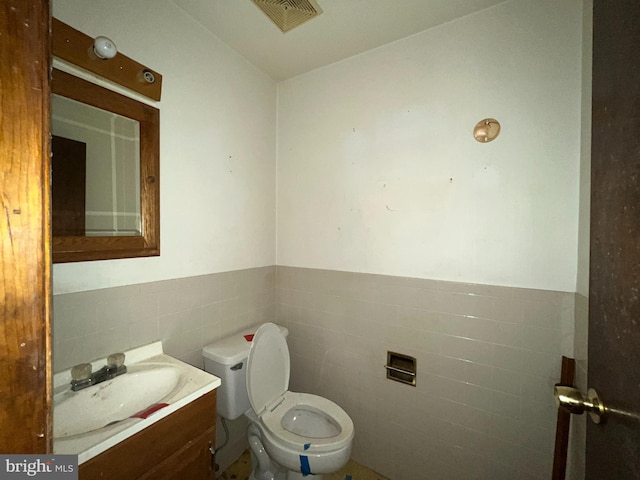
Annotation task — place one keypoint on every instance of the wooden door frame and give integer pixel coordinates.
(25, 238)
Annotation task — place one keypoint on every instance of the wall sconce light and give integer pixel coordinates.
(88, 53)
(104, 48)
(486, 130)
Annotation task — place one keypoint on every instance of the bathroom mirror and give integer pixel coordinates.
(105, 173)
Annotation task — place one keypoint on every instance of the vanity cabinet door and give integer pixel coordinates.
(193, 462)
(171, 448)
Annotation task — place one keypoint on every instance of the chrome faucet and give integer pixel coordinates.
(82, 377)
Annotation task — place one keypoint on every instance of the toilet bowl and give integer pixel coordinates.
(306, 434)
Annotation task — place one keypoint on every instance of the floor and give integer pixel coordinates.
(241, 470)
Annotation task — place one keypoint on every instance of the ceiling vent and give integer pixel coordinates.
(288, 14)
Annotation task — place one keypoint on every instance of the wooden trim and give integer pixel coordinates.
(564, 421)
(82, 248)
(76, 48)
(25, 273)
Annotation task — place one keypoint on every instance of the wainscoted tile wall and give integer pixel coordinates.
(487, 359)
(185, 313)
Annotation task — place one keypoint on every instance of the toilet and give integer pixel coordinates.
(291, 435)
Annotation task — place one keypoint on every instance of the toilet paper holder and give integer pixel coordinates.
(401, 368)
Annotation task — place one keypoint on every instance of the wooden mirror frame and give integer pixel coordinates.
(83, 248)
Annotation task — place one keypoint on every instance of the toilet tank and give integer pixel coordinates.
(227, 359)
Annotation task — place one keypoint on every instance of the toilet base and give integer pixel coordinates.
(265, 468)
(298, 476)
(291, 476)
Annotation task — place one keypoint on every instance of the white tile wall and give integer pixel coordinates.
(487, 360)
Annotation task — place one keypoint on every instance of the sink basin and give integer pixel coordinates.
(141, 388)
(90, 421)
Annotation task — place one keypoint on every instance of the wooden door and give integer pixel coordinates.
(25, 361)
(68, 187)
(613, 448)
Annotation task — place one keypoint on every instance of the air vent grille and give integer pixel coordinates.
(288, 14)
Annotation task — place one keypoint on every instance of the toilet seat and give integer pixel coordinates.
(323, 409)
(268, 370)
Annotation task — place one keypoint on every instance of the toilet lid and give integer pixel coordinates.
(268, 367)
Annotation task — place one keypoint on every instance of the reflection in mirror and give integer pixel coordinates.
(95, 171)
(105, 203)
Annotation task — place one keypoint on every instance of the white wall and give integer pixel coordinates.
(582, 286)
(378, 171)
(217, 147)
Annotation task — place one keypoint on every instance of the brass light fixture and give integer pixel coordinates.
(486, 130)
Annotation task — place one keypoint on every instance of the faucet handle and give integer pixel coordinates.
(81, 372)
(115, 360)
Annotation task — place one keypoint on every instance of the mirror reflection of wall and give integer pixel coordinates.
(112, 179)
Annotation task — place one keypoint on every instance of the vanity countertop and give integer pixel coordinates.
(192, 384)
